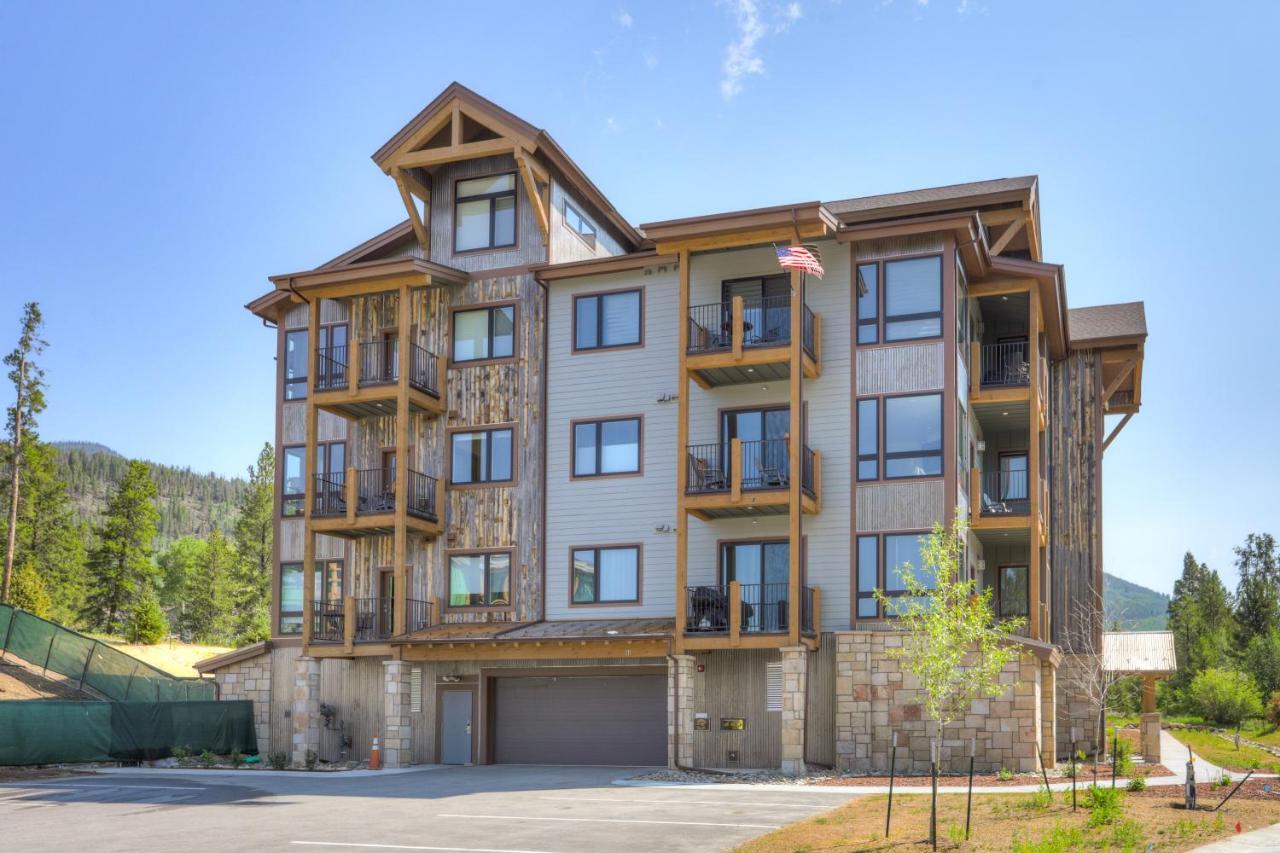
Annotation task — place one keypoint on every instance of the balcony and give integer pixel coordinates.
(1004, 365)
(735, 610)
(364, 620)
(373, 388)
(747, 339)
(364, 503)
(1004, 501)
(748, 478)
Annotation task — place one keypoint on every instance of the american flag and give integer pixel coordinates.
(804, 258)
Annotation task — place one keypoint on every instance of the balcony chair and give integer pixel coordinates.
(708, 477)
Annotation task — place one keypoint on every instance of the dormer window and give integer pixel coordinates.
(579, 224)
(484, 213)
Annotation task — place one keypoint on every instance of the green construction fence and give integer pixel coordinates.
(92, 663)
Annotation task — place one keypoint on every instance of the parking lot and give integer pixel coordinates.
(508, 809)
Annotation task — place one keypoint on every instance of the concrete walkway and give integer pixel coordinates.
(1260, 839)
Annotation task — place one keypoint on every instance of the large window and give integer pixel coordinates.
(485, 213)
(869, 439)
(1013, 592)
(293, 493)
(884, 563)
(903, 300)
(291, 598)
(604, 320)
(480, 334)
(606, 447)
(328, 581)
(605, 575)
(482, 456)
(480, 580)
(295, 364)
(579, 224)
(913, 436)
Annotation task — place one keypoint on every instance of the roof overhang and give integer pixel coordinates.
(337, 282)
(735, 229)
(1149, 653)
(1052, 282)
(966, 228)
(243, 653)
(600, 266)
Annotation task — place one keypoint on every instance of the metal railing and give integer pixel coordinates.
(418, 614)
(766, 321)
(807, 471)
(373, 619)
(708, 469)
(326, 621)
(331, 368)
(375, 491)
(379, 361)
(808, 336)
(706, 609)
(422, 495)
(423, 370)
(330, 495)
(1005, 365)
(1006, 493)
(806, 609)
(765, 465)
(765, 607)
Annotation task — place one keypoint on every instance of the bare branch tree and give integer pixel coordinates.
(1085, 675)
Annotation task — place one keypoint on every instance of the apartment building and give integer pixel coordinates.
(554, 488)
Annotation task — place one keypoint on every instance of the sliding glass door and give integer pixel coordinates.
(763, 570)
(763, 433)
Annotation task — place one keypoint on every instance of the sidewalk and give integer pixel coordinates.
(1259, 839)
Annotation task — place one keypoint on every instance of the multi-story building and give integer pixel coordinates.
(557, 489)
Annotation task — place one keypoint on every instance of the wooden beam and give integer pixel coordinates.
(308, 465)
(455, 124)
(452, 154)
(411, 206)
(737, 328)
(682, 456)
(781, 234)
(1001, 288)
(1120, 377)
(735, 612)
(1116, 431)
(416, 186)
(1007, 236)
(535, 195)
(795, 455)
(400, 570)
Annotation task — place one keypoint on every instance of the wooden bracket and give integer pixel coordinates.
(541, 210)
(1116, 431)
(415, 218)
(1006, 237)
(1120, 378)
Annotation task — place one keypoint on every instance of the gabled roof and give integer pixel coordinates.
(996, 190)
(1107, 323)
(1139, 652)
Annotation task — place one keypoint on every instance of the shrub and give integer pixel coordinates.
(1225, 697)
(1105, 805)
(183, 754)
(1005, 774)
(1273, 710)
(1137, 783)
(1127, 835)
(1224, 780)
(312, 759)
(1124, 757)
(236, 759)
(146, 624)
(208, 759)
(278, 760)
(956, 833)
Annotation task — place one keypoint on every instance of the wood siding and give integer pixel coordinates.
(530, 246)
(820, 705)
(914, 505)
(734, 685)
(901, 369)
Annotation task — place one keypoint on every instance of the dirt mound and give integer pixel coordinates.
(19, 682)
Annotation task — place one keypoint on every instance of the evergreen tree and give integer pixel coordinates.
(48, 538)
(146, 621)
(251, 584)
(178, 563)
(1258, 594)
(28, 383)
(1200, 619)
(207, 617)
(28, 591)
(120, 568)
(1262, 661)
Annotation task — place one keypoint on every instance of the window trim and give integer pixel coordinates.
(858, 322)
(619, 602)
(478, 552)
(598, 294)
(486, 306)
(282, 613)
(483, 484)
(304, 381)
(1000, 614)
(589, 239)
(882, 320)
(514, 192)
(285, 496)
(612, 475)
(884, 432)
(882, 571)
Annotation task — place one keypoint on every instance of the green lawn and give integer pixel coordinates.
(1218, 750)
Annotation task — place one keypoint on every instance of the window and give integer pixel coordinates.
(602, 575)
(331, 462)
(766, 307)
(913, 436)
(868, 576)
(607, 320)
(480, 334)
(480, 580)
(485, 213)
(331, 357)
(295, 364)
(869, 304)
(328, 581)
(883, 563)
(913, 299)
(291, 598)
(293, 494)
(1013, 476)
(606, 447)
(869, 439)
(579, 224)
(763, 570)
(483, 456)
(1013, 591)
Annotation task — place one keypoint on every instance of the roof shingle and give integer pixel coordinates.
(1102, 322)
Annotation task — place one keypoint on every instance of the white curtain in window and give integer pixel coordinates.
(618, 574)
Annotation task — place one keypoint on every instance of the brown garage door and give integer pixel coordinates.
(619, 720)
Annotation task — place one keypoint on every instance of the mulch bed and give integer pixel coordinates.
(988, 779)
(1209, 794)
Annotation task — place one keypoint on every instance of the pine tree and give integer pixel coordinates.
(207, 616)
(119, 567)
(28, 591)
(146, 621)
(48, 537)
(1200, 618)
(28, 384)
(1258, 594)
(251, 587)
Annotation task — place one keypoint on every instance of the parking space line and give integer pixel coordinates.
(366, 845)
(686, 802)
(616, 820)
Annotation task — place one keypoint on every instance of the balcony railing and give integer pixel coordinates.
(765, 465)
(330, 495)
(763, 608)
(326, 621)
(422, 496)
(375, 494)
(1005, 365)
(380, 365)
(1006, 493)
(766, 322)
(331, 368)
(373, 619)
(424, 370)
(417, 614)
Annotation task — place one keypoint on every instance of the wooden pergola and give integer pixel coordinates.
(1148, 654)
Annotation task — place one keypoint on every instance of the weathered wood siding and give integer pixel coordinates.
(820, 705)
(912, 505)
(735, 685)
(530, 246)
(1075, 498)
(901, 369)
(354, 688)
(283, 659)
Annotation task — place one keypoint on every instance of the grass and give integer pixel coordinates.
(1019, 822)
(1218, 750)
(174, 658)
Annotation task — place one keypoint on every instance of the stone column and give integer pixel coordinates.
(397, 725)
(1048, 714)
(1151, 737)
(795, 685)
(680, 671)
(306, 709)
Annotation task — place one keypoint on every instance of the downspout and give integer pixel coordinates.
(674, 668)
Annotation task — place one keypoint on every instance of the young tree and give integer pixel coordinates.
(146, 622)
(207, 613)
(1262, 661)
(49, 538)
(28, 383)
(1225, 697)
(1083, 675)
(120, 568)
(1258, 594)
(251, 580)
(29, 593)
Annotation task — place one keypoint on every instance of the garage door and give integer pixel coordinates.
(620, 720)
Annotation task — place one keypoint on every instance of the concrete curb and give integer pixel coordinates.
(246, 775)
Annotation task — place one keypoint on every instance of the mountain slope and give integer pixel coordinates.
(190, 504)
(1133, 607)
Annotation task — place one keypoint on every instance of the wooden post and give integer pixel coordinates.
(308, 535)
(975, 494)
(1149, 694)
(442, 382)
(1033, 468)
(737, 328)
(735, 613)
(682, 459)
(403, 461)
(348, 623)
(352, 488)
(353, 348)
(794, 454)
(735, 470)
(817, 612)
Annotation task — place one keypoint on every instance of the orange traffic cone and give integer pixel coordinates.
(375, 756)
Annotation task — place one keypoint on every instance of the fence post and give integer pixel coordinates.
(84, 673)
(128, 685)
(8, 632)
(49, 654)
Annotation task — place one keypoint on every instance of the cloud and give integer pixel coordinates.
(611, 125)
(742, 58)
(624, 19)
(650, 60)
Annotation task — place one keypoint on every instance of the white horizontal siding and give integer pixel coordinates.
(602, 384)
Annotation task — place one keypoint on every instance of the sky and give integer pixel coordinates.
(160, 160)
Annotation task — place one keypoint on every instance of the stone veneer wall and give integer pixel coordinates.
(250, 679)
(1075, 709)
(875, 698)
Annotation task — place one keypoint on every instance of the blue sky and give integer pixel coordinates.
(160, 160)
